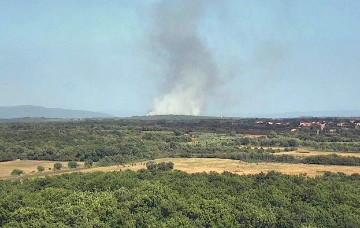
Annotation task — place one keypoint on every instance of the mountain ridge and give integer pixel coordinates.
(22, 111)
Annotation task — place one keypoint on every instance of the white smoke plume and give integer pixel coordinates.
(190, 71)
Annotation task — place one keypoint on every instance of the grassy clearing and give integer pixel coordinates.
(194, 165)
(309, 152)
(302, 152)
(30, 167)
(253, 136)
(190, 165)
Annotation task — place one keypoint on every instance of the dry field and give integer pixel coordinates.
(190, 165)
(301, 152)
(307, 152)
(196, 165)
(253, 136)
(30, 167)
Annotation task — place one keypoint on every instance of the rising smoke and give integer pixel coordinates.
(190, 70)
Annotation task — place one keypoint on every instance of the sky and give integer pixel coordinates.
(269, 56)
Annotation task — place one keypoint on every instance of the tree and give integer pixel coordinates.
(161, 166)
(17, 172)
(40, 168)
(173, 145)
(169, 165)
(164, 166)
(151, 165)
(293, 142)
(73, 164)
(272, 134)
(57, 166)
(88, 163)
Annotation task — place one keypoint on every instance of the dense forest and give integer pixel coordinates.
(176, 199)
(116, 141)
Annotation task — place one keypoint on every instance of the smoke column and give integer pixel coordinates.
(189, 68)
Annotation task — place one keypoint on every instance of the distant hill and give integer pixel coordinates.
(38, 111)
(342, 113)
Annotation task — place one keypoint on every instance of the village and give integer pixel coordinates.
(332, 123)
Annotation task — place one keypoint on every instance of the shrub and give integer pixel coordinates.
(164, 166)
(151, 165)
(57, 166)
(17, 172)
(73, 164)
(88, 163)
(169, 165)
(40, 168)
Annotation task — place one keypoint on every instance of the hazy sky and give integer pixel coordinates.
(271, 56)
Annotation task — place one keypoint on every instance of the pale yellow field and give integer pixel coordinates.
(195, 165)
(136, 166)
(301, 152)
(253, 136)
(30, 167)
(307, 152)
(190, 165)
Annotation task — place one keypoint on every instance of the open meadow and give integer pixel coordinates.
(189, 165)
(30, 168)
(308, 152)
(196, 165)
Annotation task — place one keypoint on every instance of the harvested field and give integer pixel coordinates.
(253, 136)
(195, 165)
(190, 165)
(30, 167)
(307, 152)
